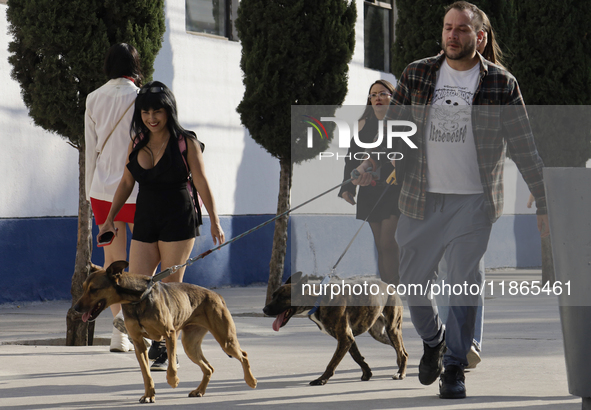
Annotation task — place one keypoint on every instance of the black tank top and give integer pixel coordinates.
(164, 208)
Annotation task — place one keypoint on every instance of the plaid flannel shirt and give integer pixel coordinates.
(495, 127)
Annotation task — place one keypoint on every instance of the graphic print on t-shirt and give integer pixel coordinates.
(452, 166)
(450, 116)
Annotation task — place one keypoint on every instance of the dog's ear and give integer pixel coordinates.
(304, 279)
(115, 269)
(294, 278)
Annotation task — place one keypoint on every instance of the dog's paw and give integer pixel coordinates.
(173, 380)
(318, 382)
(147, 399)
(196, 393)
(252, 383)
(399, 376)
(366, 376)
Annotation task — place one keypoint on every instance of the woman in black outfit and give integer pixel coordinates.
(166, 223)
(383, 220)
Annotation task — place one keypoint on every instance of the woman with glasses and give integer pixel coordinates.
(166, 222)
(108, 115)
(383, 219)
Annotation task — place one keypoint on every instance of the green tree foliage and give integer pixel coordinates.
(418, 31)
(58, 49)
(552, 63)
(294, 52)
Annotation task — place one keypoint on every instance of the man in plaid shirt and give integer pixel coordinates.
(452, 188)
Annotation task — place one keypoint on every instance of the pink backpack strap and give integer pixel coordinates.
(137, 140)
(183, 148)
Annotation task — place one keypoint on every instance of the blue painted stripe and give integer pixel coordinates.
(37, 254)
(36, 258)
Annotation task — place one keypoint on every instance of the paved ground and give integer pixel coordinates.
(523, 363)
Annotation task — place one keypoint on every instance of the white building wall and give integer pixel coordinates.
(38, 170)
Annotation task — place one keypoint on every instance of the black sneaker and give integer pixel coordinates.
(451, 383)
(161, 363)
(156, 350)
(431, 363)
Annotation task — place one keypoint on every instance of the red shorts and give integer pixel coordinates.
(101, 211)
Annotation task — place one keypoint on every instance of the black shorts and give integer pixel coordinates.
(167, 215)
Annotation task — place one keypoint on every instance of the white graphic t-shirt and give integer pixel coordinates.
(452, 166)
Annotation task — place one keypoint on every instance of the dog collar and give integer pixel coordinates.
(319, 299)
(154, 279)
(144, 295)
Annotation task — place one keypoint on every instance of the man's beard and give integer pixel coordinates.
(465, 51)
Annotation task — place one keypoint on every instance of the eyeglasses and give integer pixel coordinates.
(373, 96)
(153, 90)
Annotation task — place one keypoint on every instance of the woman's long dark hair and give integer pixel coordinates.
(369, 113)
(121, 60)
(155, 95)
(492, 51)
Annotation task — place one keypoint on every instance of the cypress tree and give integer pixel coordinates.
(294, 52)
(418, 32)
(57, 53)
(553, 66)
(58, 50)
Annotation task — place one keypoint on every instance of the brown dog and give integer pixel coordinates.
(343, 318)
(167, 309)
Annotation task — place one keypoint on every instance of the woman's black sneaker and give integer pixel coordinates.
(161, 363)
(156, 350)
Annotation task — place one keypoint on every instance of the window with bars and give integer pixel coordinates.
(378, 33)
(213, 17)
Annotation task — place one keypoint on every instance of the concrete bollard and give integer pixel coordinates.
(568, 194)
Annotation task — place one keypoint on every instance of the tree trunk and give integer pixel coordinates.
(280, 237)
(79, 333)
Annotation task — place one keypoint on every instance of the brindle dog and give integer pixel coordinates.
(167, 309)
(343, 318)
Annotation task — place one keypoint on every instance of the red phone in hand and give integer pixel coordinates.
(106, 239)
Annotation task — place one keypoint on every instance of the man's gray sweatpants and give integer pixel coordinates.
(459, 227)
